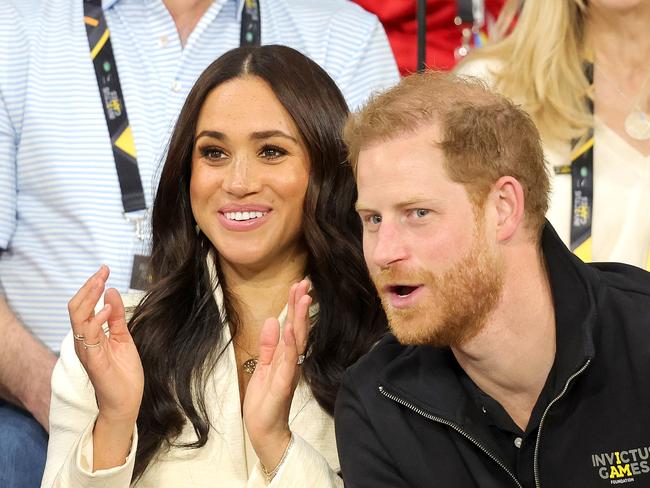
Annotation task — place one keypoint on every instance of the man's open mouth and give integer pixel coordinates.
(403, 290)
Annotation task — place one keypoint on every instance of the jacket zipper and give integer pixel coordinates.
(452, 425)
(541, 422)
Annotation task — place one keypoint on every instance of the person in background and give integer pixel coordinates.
(581, 70)
(450, 24)
(253, 197)
(63, 210)
(511, 362)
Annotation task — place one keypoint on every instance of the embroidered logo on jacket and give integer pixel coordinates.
(622, 466)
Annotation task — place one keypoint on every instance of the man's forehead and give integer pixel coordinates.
(425, 133)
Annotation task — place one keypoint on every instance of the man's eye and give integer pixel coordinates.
(421, 212)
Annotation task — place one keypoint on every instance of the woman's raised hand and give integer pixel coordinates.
(270, 390)
(112, 362)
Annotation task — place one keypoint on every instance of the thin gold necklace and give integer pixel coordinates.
(250, 364)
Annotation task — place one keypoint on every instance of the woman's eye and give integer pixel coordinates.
(421, 212)
(212, 153)
(272, 152)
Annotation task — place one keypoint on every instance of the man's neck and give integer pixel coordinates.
(186, 14)
(511, 357)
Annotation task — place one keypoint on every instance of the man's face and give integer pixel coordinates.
(435, 264)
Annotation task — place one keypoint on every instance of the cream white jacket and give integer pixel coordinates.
(227, 460)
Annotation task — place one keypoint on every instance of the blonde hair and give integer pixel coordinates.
(484, 135)
(541, 64)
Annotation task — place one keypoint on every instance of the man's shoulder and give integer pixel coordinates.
(21, 22)
(24, 8)
(334, 9)
(20, 13)
(367, 369)
(326, 17)
(624, 292)
(624, 277)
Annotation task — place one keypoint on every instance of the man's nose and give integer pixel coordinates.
(390, 246)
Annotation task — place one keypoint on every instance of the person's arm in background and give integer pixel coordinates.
(26, 367)
(25, 363)
(364, 460)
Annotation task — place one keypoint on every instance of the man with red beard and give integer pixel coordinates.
(511, 362)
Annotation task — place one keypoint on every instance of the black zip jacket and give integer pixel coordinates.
(403, 418)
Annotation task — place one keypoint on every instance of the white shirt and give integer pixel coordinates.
(61, 213)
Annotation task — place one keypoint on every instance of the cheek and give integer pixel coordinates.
(292, 188)
(197, 194)
(368, 248)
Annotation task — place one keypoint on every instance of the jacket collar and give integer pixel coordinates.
(429, 377)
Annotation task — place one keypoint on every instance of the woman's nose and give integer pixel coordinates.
(241, 178)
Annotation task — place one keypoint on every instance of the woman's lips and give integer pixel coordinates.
(243, 220)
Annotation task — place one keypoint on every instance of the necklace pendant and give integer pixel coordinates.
(249, 365)
(637, 125)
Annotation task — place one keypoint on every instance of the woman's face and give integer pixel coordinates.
(250, 170)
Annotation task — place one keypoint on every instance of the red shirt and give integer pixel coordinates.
(443, 36)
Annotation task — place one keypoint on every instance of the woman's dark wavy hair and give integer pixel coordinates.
(178, 327)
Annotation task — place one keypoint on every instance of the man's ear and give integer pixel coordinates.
(509, 205)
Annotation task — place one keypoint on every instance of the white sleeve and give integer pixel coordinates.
(73, 411)
(303, 466)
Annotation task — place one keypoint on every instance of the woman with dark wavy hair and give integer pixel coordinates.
(197, 389)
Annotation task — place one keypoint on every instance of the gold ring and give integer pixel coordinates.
(78, 337)
(90, 346)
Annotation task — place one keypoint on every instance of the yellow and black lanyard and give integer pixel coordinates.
(581, 169)
(117, 120)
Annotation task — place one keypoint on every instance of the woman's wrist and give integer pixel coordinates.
(270, 470)
(111, 442)
(271, 448)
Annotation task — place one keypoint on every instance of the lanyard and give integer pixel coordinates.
(582, 187)
(110, 92)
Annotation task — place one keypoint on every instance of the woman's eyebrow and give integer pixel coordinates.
(212, 133)
(265, 134)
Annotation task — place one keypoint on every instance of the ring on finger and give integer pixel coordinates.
(90, 346)
(78, 337)
(301, 359)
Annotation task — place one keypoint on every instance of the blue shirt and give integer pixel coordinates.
(61, 214)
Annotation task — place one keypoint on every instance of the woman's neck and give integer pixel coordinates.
(261, 293)
(620, 38)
